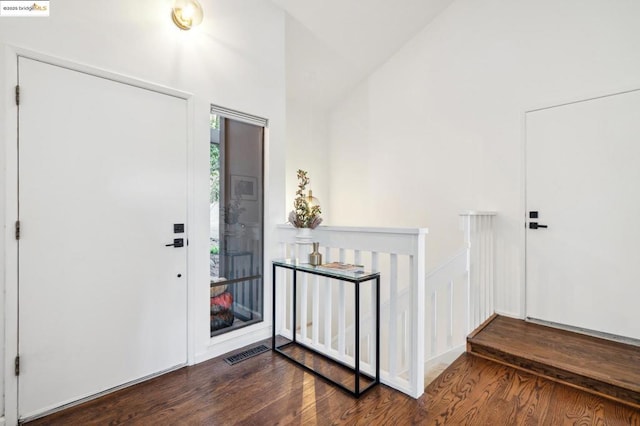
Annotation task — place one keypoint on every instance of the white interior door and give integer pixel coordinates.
(102, 180)
(583, 171)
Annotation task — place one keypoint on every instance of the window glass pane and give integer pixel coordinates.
(236, 211)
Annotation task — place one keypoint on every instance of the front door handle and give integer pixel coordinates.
(536, 225)
(177, 242)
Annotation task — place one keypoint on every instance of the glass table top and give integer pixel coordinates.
(334, 269)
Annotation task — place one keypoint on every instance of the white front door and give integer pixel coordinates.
(102, 181)
(583, 172)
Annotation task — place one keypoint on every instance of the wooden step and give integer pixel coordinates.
(603, 367)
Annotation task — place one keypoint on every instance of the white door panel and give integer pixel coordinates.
(102, 180)
(582, 177)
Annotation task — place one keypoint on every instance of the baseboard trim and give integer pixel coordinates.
(445, 358)
(226, 343)
(586, 331)
(2, 421)
(509, 314)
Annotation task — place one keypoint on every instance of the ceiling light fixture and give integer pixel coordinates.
(186, 14)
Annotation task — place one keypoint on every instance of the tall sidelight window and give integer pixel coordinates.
(236, 219)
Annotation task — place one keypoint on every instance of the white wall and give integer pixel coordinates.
(439, 128)
(234, 59)
(307, 142)
(308, 64)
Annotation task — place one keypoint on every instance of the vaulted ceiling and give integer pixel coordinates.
(334, 44)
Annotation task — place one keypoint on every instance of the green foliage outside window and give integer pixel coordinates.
(214, 173)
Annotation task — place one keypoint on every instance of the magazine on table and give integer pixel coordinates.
(343, 267)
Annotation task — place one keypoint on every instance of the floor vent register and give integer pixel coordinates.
(239, 357)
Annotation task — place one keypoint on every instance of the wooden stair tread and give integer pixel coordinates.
(603, 360)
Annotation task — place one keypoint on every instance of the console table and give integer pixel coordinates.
(352, 276)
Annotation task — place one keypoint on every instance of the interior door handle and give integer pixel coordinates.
(536, 225)
(177, 242)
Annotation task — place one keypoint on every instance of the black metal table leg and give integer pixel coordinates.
(378, 329)
(273, 307)
(295, 299)
(357, 348)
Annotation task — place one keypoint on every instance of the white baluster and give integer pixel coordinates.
(328, 314)
(341, 314)
(303, 287)
(451, 315)
(434, 322)
(315, 328)
(357, 260)
(479, 238)
(374, 267)
(291, 302)
(393, 315)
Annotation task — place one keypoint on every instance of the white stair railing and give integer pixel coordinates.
(457, 297)
(459, 293)
(328, 316)
(479, 236)
(447, 312)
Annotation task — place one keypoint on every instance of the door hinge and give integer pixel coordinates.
(17, 229)
(18, 95)
(17, 365)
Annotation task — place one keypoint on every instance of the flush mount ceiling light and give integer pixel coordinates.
(186, 14)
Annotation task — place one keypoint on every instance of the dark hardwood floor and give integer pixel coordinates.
(476, 391)
(267, 390)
